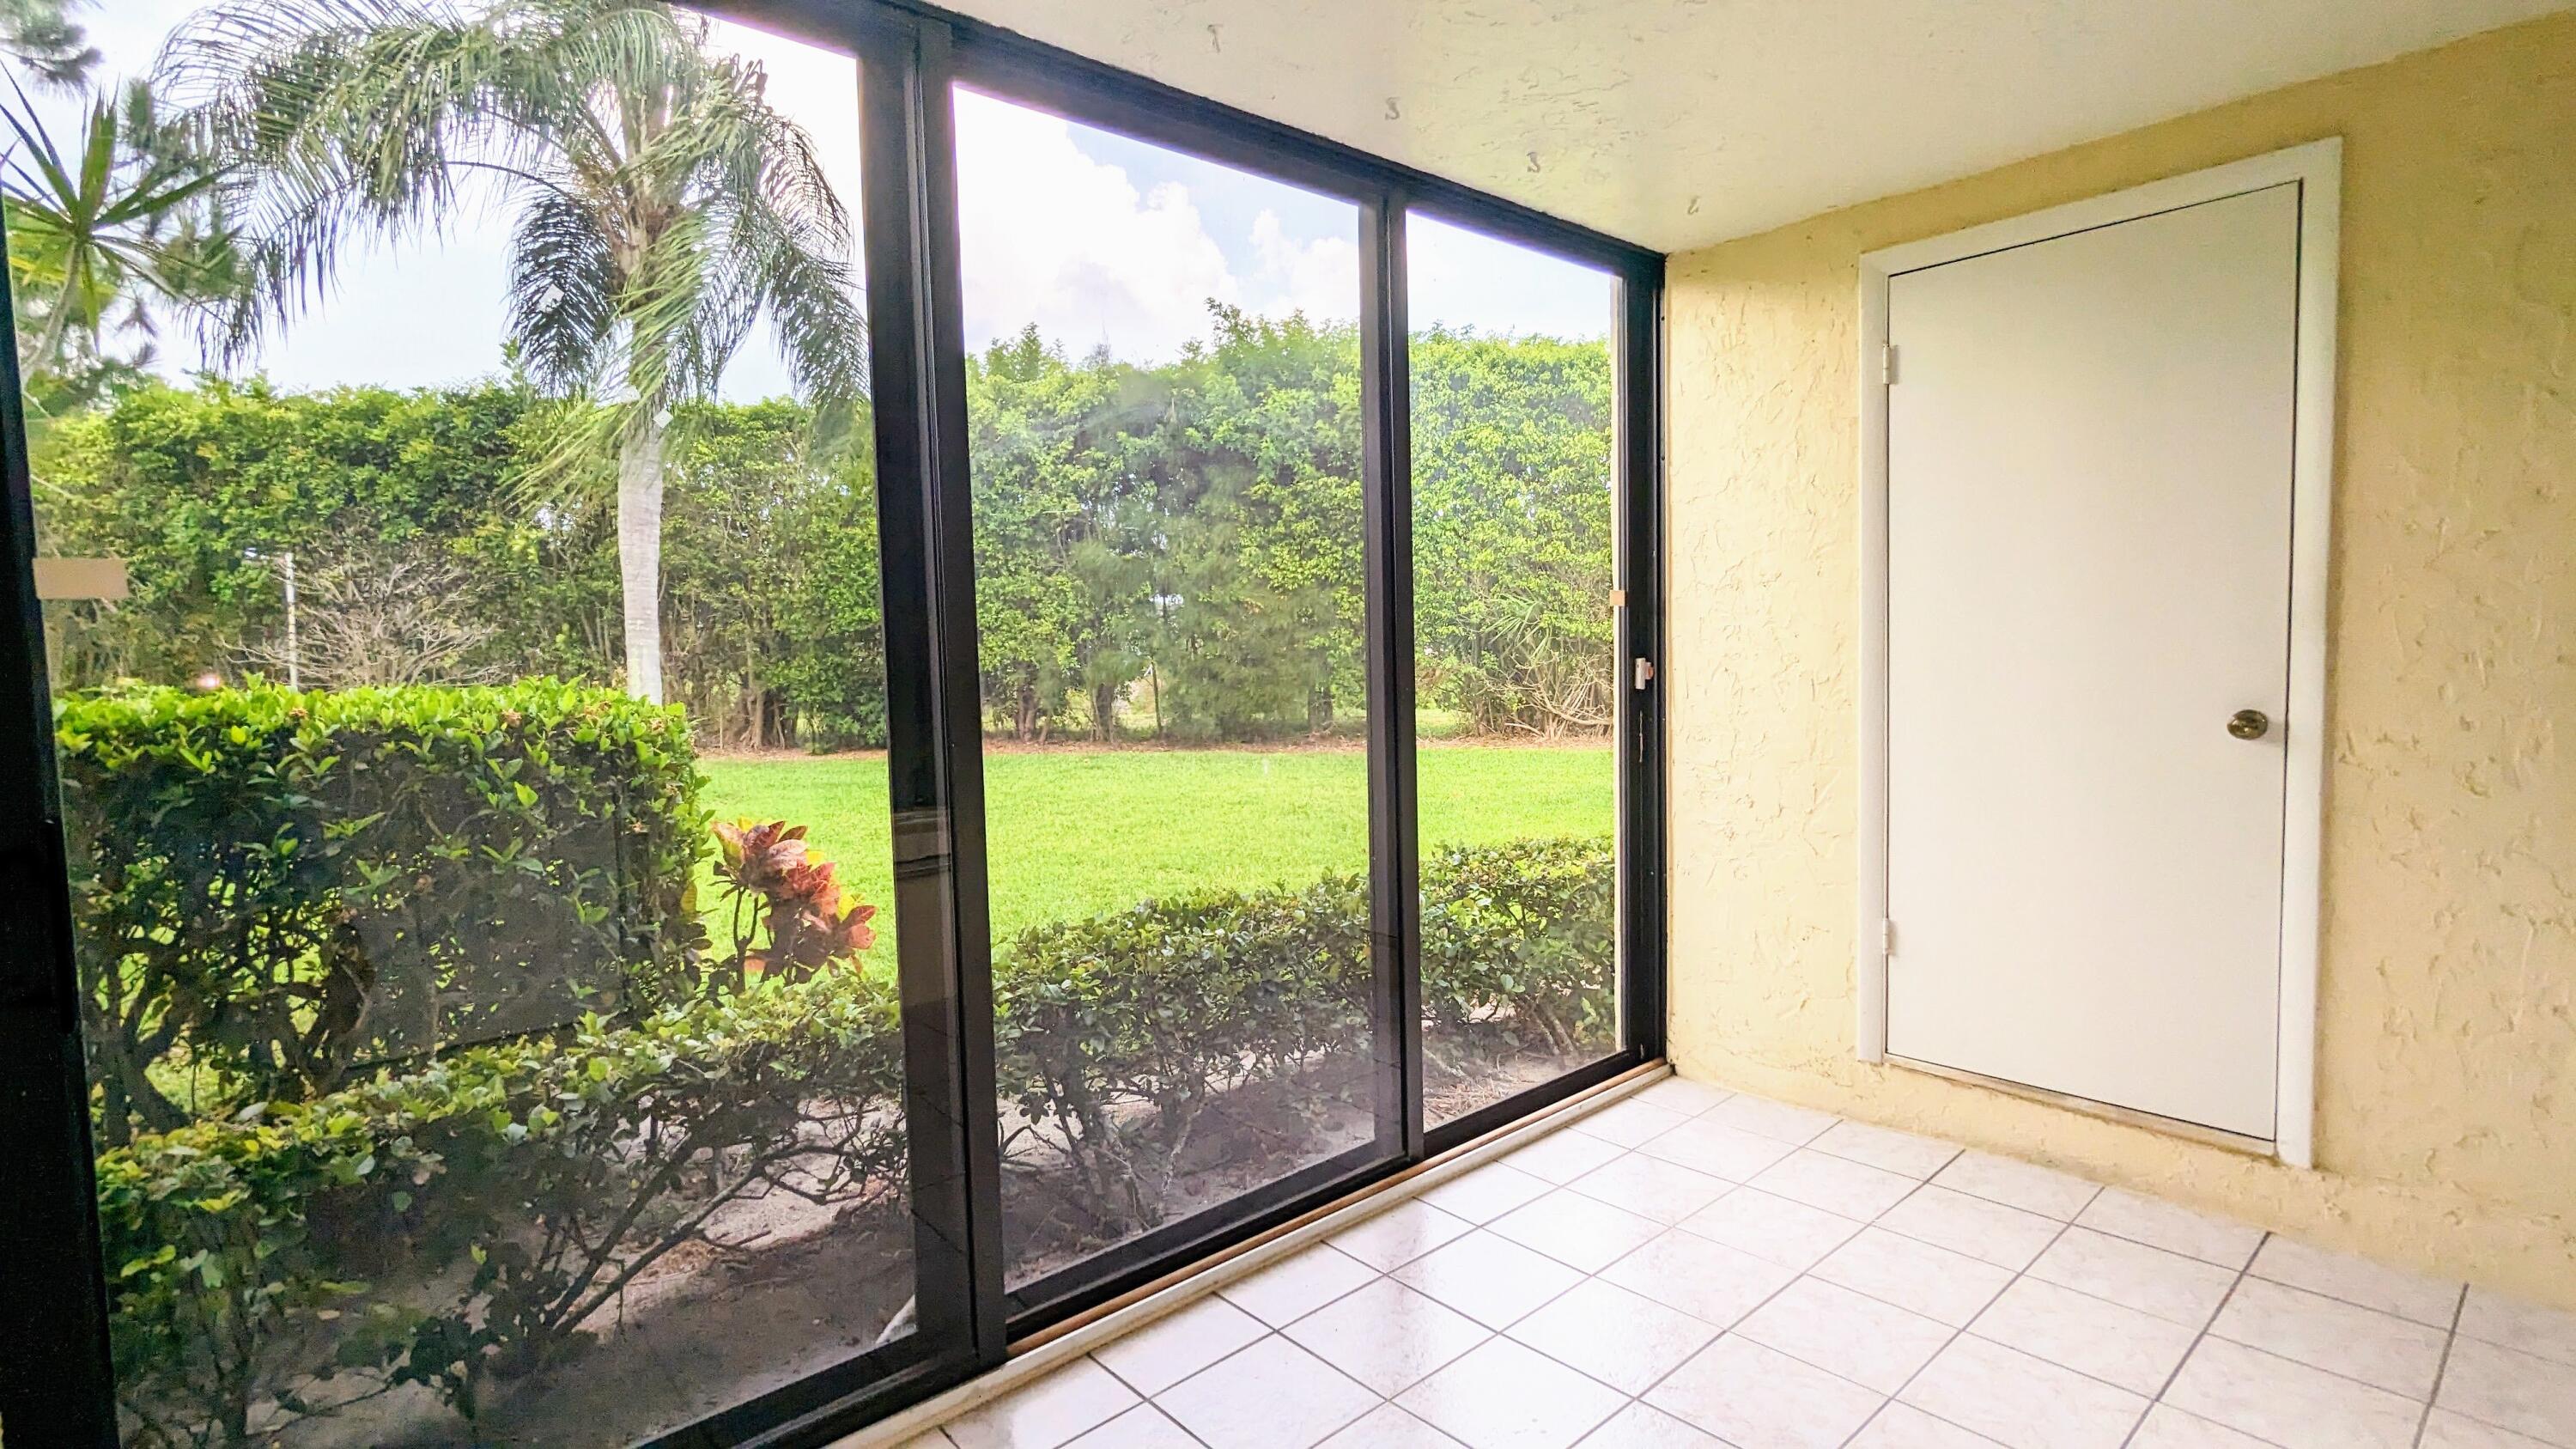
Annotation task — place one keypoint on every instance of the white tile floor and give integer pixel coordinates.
(1690, 1268)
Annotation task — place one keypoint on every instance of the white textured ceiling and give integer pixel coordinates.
(1677, 123)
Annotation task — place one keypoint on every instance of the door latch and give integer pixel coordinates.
(1645, 670)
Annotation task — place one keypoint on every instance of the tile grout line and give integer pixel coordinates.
(1386, 1400)
(1962, 1330)
(2196, 1340)
(1269, 1331)
(1876, 1414)
(2269, 1235)
(1627, 1400)
(1146, 1400)
(1156, 1402)
(2242, 1272)
(1168, 1417)
(1731, 1328)
(1723, 1329)
(1638, 1399)
(1491, 1334)
(2459, 1310)
(2064, 1225)
(2333, 1373)
(1505, 1332)
(1487, 1155)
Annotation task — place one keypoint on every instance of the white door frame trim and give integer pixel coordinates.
(2317, 168)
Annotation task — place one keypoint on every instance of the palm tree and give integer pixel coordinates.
(40, 35)
(660, 205)
(103, 232)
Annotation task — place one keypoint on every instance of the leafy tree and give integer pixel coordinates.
(772, 610)
(1262, 489)
(831, 665)
(1180, 542)
(1063, 528)
(197, 488)
(1196, 524)
(662, 206)
(1511, 530)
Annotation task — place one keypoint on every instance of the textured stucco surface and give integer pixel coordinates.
(2446, 1132)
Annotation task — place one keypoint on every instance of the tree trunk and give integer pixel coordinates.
(639, 553)
(49, 345)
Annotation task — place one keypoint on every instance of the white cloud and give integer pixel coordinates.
(1049, 235)
(1460, 278)
(1320, 278)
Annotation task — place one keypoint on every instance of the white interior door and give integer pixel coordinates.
(2089, 562)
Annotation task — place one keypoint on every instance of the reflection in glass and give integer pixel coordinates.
(484, 1050)
(1163, 398)
(1516, 676)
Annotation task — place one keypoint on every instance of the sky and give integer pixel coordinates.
(1097, 238)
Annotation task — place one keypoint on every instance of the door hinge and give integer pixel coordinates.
(1645, 671)
(1887, 938)
(1887, 365)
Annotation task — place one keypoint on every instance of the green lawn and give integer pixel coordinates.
(1076, 832)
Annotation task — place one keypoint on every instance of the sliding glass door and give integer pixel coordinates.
(470, 720)
(1515, 575)
(770, 699)
(1163, 437)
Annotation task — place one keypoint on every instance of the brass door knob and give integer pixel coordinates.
(2249, 724)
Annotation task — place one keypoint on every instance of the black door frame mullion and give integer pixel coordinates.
(1386, 492)
(57, 1380)
(950, 486)
(934, 762)
(1637, 346)
(916, 332)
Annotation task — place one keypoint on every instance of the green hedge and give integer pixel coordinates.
(272, 887)
(524, 1184)
(1166, 1007)
(411, 1053)
(1116, 1031)
(1517, 941)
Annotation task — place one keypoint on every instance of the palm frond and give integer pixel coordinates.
(661, 205)
(563, 292)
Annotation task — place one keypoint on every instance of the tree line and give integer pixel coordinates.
(1167, 551)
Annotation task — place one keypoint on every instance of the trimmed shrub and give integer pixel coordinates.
(516, 1188)
(273, 887)
(1115, 1032)
(455, 1220)
(1517, 946)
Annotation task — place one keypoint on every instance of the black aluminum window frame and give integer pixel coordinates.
(56, 1382)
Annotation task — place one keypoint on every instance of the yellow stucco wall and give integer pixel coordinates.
(2446, 1130)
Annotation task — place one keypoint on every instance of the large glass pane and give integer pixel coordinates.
(471, 710)
(1163, 393)
(1516, 680)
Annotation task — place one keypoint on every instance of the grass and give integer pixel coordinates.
(1076, 832)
